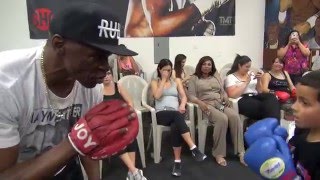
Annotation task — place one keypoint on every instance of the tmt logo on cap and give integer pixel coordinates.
(109, 29)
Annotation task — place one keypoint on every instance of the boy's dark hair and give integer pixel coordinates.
(312, 79)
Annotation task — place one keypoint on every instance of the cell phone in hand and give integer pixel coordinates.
(294, 35)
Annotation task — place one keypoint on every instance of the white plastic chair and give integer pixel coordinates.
(158, 129)
(223, 71)
(112, 61)
(134, 86)
(189, 70)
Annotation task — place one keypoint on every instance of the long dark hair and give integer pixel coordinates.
(177, 64)
(288, 37)
(163, 63)
(198, 72)
(239, 60)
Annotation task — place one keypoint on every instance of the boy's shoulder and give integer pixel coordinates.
(299, 146)
(306, 156)
(298, 139)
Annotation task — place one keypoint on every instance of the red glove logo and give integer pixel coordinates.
(83, 134)
(105, 130)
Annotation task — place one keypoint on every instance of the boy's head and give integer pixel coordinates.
(307, 106)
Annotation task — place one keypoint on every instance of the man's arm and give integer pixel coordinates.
(163, 23)
(91, 167)
(41, 167)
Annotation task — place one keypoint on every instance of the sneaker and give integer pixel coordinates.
(197, 155)
(176, 170)
(129, 176)
(137, 176)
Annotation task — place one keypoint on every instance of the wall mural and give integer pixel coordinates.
(283, 16)
(149, 18)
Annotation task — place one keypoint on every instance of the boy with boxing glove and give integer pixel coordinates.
(305, 147)
(271, 157)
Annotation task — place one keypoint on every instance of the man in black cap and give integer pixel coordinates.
(45, 90)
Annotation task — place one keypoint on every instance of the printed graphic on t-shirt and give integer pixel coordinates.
(303, 172)
(47, 130)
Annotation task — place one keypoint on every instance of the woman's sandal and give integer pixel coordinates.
(241, 158)
(221, 161)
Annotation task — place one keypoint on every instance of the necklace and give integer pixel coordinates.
(55, 109)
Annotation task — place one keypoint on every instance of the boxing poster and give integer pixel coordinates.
(148, 18)
(40, 13)
(283, 16)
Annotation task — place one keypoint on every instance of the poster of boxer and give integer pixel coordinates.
(283, 16)
(142, 18)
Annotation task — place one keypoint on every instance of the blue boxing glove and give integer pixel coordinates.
(270, 158)
(264, 128)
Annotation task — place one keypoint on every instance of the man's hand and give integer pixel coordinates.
(105, 130)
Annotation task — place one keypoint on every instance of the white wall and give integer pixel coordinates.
(14, 30)
(248, 40)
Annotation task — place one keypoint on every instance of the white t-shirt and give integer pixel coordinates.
(232, 80)
(25, 114)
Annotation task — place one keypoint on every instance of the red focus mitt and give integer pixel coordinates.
(105, 130)
(282, 96)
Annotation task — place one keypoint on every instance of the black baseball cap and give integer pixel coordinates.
(92, 24)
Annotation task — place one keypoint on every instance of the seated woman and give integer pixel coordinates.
(278, 82)
(178, 71)
(244, 85)
(112, 90)
(205, 88)
(170, 112)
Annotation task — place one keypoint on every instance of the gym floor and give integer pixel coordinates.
(114, 169)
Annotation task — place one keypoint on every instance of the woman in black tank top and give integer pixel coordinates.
(279, 80)
(116, 94)
(113, 91)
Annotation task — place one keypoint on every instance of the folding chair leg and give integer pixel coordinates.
(141, 140)
(157, 145)
(85, 176)
(150, 139)
(100, 166)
